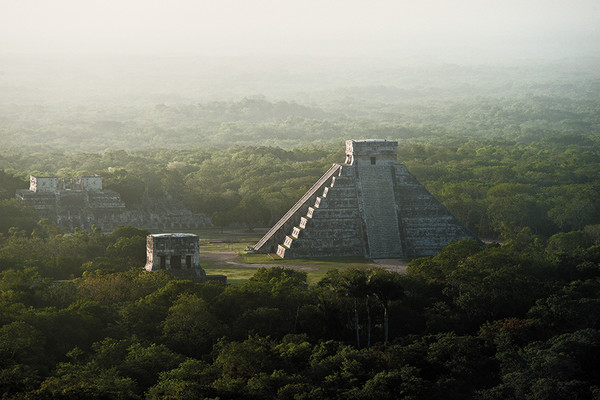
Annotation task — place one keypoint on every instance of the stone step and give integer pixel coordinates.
(381, 218)
(320, 202)
(296, 232)
(329, 213)
(323, 240)
(275, 234)
(349, 192)
(281, 250)
(330, 224)
(288, 241)
(303, 222)
(342, 181)
(338, 202)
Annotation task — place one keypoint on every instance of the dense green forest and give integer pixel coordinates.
(514, 153)
(512, 321)
(80, 319)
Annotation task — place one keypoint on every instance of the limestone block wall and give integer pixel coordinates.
(178, 253)
(378, 210)
(277, 234)
(426, 224)
(332, 226)
(43, 184)
(104, 200)
(92, 183)
(173, 251)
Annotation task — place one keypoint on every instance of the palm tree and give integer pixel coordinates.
(386, 286)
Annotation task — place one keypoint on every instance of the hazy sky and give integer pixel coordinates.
(385, 28)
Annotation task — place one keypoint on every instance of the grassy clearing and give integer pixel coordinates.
(237, 241)
(319, 273)
(235, 275)
(215, 240)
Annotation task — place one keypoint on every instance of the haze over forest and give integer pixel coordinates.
(228, 112)
(90, 75)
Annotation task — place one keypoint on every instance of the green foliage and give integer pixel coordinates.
(20, 344)
(576, 305)
(190, 328)
(87, 381)
(505, 321)
(561, 367)
(16, 214)
(514, 155)
(189, 381)
(79, 318)
(281, 281)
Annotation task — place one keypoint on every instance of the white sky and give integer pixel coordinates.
(301, 27)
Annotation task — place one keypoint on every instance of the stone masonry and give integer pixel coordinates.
(178, 253)
(83, 202)
(173, 251)
(370, 206)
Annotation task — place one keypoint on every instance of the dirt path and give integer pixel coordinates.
(231, 258)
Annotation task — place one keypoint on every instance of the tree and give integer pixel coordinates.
(253, 212)
(248, 358)
(17, 214)
(190, 327)
(76, 381)
(351, 283)
(387, 287)
(20, 343)
(561, 367)
(129, 251)
(191, 380)
(145, 363)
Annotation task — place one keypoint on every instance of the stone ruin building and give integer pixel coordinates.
(80, 202)
(178, 253)
(370, 206)
(83, 202)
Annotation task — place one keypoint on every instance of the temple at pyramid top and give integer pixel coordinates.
(370, 206)
(371, 151)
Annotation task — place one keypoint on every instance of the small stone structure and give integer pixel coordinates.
(370, 206)
(90, 183)
(178, 253)
(43, 184)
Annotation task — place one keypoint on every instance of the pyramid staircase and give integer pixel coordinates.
(331, 225)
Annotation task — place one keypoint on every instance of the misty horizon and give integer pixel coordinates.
(93, 75)
(463, 32)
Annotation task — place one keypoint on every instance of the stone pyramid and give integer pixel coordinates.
(370, 206)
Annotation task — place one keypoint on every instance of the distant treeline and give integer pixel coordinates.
(301, 104)
(251, 121)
